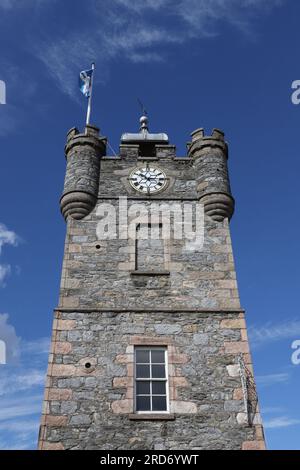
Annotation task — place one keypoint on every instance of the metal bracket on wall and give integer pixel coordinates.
(249, 390)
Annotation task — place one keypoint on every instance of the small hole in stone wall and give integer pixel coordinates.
(98, 247)
(87, 365)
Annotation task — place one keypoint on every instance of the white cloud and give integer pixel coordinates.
(24, 442)
(145, 57)
(7, 237)
(272, 409)
(271, 379)
(21, 396)
(203, 14)
(15, 379)
(280, 422)
(36, 347)
(18, 426)
(17, 407)
(271, 332)
(138, 31)
(12, 342)
(65, 57)
(24, 380)
(5, 270)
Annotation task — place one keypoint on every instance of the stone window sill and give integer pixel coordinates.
(151, 417)
(150, 273)
(148, 158)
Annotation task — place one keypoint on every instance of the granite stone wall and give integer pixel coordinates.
(96, 272)
(92, 408)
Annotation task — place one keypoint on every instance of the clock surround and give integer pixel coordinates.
(148, 179)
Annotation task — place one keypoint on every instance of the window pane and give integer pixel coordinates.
(143, 371)
(158, 372)
(158, 356)
(142, 403)
(142, 355)
(143, 388)
(159, 388)
(159, 404)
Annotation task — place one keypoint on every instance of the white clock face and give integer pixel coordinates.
(147, 179)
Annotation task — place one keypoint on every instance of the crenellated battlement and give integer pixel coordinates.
(200, 141)
(200, 134)
(91, 137)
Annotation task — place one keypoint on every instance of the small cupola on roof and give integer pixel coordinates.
(144, 135)
(146, 140)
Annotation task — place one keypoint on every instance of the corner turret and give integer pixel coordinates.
(209, 155)
(83, 154)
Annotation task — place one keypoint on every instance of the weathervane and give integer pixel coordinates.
(144, 112)
(143, 118)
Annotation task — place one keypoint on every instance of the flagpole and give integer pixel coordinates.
(88, 114)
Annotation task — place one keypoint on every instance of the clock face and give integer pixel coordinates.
(148, 179)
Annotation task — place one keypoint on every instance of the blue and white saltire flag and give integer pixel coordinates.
(85, 82)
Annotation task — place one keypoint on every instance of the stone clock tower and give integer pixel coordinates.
(149, 344)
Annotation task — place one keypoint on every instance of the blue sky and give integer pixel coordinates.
(214, 63)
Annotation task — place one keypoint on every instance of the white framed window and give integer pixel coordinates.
(151, 379)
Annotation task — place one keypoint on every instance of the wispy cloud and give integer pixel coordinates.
(272, 379)
(5, 270)
(271, 332)
(21, 394)
(7, 237)
(36, 347)
(15, 408)
(19, 422)
(204, 16)
(145, 57)
(135, 30)
(280, 422)
(23, 430)
(18, 426)
(272, 409)
(12, 382)
(138, 43)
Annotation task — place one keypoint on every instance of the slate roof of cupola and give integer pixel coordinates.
(144, 135)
